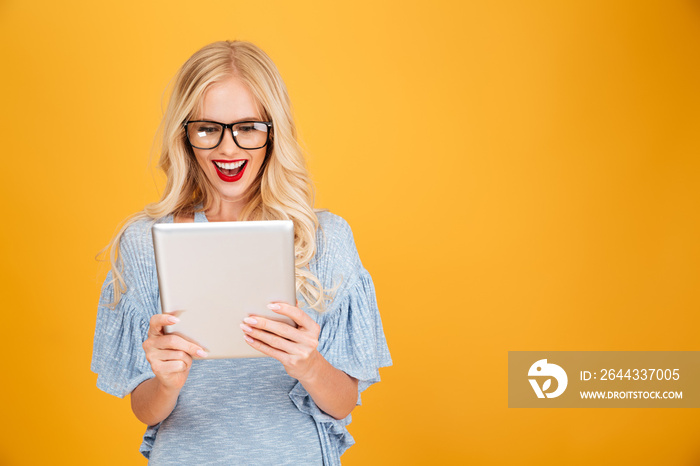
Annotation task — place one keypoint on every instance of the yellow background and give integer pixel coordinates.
(518, 176)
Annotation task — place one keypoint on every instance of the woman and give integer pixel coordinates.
(230, 153)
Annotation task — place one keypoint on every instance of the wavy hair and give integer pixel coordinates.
(282, 189)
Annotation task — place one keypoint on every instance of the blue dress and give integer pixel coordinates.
(244, 411)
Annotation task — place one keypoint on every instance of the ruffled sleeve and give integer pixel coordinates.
(352, 337)
(118, 358)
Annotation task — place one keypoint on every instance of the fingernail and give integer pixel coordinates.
(274, 307)
(201, 354)
(246, 328)
(248, 339)
(173, 320)
(250, 320)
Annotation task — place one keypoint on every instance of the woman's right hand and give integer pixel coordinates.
(170, 356)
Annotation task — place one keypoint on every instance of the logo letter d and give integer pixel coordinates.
(542, 368)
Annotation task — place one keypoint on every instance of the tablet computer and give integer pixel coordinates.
(212, 275)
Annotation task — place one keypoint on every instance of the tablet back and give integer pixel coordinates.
(213, 274)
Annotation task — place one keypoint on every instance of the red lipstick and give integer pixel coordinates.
(227, 178)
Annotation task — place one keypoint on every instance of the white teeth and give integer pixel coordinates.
(230, 166)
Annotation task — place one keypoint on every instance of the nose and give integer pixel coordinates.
(228, 145)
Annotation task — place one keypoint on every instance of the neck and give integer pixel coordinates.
(227, 210)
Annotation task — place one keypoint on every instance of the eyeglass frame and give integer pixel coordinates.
(228, 126)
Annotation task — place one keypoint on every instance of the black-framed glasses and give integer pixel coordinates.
(248, 135)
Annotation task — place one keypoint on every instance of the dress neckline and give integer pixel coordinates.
(199, 215)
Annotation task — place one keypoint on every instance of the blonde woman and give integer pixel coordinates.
(230, 153)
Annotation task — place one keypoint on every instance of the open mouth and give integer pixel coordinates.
(230, 171)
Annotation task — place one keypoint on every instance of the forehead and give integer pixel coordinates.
(228, 101)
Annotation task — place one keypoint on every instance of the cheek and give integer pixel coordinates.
(259, 159)
(201, 160)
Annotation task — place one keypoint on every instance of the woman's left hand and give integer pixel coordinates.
(295, 348)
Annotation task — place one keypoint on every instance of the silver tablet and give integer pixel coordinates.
(212, 275)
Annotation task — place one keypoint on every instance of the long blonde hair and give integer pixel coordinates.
(282, 189)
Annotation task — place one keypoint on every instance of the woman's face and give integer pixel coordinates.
(230, 101)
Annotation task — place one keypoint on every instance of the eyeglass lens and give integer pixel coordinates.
(207, 135)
